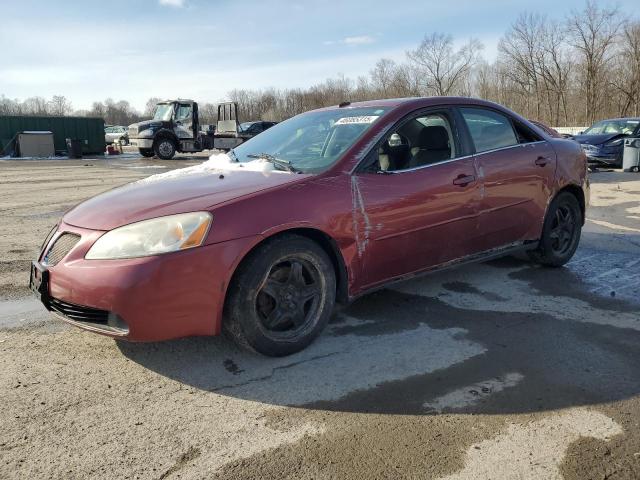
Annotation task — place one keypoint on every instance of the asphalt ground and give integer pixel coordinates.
(496, 370)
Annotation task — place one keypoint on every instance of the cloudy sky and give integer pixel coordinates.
(134, 49)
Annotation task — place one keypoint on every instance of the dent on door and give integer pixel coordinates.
(516, 188)
(409, 221)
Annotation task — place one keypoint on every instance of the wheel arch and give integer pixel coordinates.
(164, 133)
(326, 242)
(577, 192)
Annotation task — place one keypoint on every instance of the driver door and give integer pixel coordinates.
(416, 205)
(184, 121)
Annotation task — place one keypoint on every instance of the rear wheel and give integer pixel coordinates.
(561, 231)
(146, 152)
(164, 148)
(282, 297)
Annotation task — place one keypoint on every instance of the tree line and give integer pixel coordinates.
(565, 72)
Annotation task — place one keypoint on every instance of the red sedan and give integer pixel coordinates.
(324, 207)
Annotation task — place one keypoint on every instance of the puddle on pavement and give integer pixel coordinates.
(21, 312)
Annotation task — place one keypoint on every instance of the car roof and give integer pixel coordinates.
(637, 119)
(417, 102)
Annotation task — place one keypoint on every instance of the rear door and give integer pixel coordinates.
(516, 168)
(416, 204)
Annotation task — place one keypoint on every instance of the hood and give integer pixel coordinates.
(595, 139)
(178, 191)
(149, 124)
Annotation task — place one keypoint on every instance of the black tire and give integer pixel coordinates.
(146, 152)
(561, 231)
(281, 297)
(164, 148)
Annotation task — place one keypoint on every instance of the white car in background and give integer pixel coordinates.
(116, 133)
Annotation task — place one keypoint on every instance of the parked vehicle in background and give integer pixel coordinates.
(116, 133)
(175, 127)
(603, 142)
(254, 128)
(324, 207)
(551, 131)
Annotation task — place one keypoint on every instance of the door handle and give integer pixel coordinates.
(542, 161)
(463, 180)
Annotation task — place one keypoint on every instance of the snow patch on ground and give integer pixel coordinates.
(516, 295)
(534, 450)
(473, 394)
(314, 374)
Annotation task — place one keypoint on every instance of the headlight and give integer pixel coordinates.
(148, 133)
(151, 237)
(614, 143)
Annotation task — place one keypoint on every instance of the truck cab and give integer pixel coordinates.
(173, 128)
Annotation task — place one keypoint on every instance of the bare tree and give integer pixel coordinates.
(97, 110)
(443, 69)
(627, 73)
(208, 113)
(593, 32)
(35, 106)
(9, 106)
(150, 106)
(59, 106)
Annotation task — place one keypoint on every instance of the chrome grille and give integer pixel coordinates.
(133, 131)
(60, 248)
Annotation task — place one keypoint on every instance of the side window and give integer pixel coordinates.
(184, 113)
(421, 141)
(489, 130)
(525, 134)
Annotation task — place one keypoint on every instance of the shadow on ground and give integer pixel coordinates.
(401, 353)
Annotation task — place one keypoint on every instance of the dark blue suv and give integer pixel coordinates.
(603, 142)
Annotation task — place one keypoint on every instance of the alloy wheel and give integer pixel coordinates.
(289, 298)
(562, 230)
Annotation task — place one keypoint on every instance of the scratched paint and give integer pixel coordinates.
(361, 234)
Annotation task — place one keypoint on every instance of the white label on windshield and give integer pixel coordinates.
(357, 120)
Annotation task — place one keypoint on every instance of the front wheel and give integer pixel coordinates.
(282, 297)
(164, 148)
(561, 231)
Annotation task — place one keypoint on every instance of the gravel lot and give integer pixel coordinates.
(497, 370)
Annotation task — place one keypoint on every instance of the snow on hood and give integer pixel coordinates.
(218, 162)
(196, 188)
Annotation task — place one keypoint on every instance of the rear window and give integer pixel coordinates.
(489, 130)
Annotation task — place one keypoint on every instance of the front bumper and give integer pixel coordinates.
(598, 154)
(145, 299)
(141, 142)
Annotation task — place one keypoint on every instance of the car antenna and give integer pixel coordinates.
(344, 104)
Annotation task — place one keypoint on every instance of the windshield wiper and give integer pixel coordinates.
(278, 162)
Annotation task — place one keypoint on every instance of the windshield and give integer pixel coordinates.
(244, 126)
(163, 112)
(625, 127)
(312, 142)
